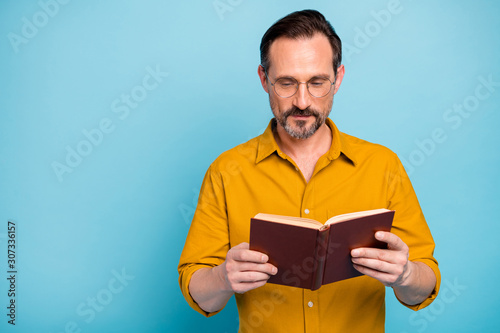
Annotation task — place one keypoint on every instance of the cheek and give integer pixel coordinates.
(327, 104)
(274, 104)
(279, 105)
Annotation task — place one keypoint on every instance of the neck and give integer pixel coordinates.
(315, 146)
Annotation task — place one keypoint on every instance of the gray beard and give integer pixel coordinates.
(301, 131)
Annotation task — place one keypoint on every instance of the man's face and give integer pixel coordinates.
(302, 114)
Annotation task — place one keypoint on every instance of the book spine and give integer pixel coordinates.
(320, 257)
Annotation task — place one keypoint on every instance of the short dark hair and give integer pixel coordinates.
(297, 25)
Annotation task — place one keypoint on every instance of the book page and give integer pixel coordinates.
(297, 221)
(352, 216)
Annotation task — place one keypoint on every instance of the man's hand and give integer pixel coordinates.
(245, 269)
(390, 266)
(412, 282)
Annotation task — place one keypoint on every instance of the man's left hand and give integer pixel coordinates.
(390, 266)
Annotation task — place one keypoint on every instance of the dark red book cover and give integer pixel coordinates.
(348, 235)
(290, 248)
(309, 258)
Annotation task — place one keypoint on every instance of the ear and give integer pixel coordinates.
(338, 79)
(262, 77)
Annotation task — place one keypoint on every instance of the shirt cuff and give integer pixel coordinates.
(433, 265)
(184, 279)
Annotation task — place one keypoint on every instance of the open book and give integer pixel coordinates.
(309, 254)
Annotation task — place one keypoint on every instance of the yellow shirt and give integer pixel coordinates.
(257, 177)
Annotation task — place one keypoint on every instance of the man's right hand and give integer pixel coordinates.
(245, 269)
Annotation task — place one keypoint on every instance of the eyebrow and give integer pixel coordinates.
(317, 76)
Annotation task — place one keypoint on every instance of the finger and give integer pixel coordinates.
(242, 254)
(250, 276)
(371, 253)
(378, 265)
(385, 278)
(243, 287)
(243, 281)
(393, 241)
(242, 246)
(263, 268)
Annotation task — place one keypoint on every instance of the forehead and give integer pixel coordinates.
(301, 58)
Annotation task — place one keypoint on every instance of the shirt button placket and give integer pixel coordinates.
(311, 311)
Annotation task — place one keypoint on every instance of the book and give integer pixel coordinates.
(309, 254)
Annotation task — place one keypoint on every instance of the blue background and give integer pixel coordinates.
(125, 208)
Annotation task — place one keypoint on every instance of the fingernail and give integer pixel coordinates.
(379, 235)
(355, 252)
(275, 270)
(264, 258)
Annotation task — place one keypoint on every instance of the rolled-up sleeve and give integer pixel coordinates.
(207, 242)
(410, 225)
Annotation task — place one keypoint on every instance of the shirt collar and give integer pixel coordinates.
(268, 145)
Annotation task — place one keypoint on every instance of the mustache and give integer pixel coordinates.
(295, 111)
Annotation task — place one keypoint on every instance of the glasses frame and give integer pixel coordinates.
(298, 84)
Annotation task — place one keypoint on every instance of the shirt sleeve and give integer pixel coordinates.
(410, 225)
(207, 241)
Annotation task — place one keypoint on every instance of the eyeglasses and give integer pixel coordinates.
(287, 86)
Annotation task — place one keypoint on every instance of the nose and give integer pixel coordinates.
(302, 99)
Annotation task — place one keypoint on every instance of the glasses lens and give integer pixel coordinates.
(286, 87)
(319, 87)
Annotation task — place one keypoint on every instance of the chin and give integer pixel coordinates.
(300, 133)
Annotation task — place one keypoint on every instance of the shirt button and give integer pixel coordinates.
(310, 304)
(306, 211)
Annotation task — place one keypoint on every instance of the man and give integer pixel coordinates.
(303, 166)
